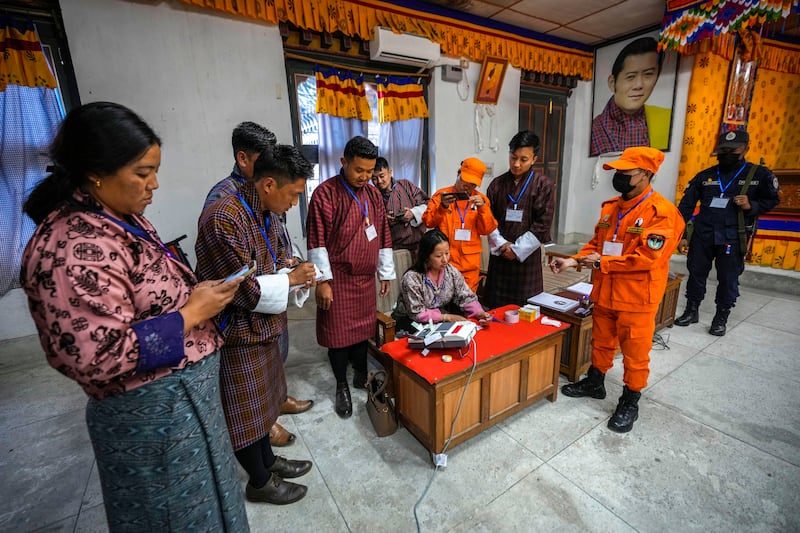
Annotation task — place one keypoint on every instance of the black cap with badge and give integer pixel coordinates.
(733, 139)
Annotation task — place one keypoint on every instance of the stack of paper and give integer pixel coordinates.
(550, 301)
(581, 288)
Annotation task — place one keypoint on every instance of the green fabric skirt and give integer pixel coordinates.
(164, 455)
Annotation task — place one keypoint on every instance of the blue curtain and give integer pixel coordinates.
(30, 118)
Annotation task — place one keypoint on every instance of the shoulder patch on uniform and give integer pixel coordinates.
(775, 184)
(655, 241)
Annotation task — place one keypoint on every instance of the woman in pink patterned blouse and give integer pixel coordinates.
(433, 289)
(119, 314)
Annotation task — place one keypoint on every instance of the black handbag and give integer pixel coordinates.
(380, 407)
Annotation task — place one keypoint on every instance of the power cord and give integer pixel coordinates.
(441, 458)
(659, 342)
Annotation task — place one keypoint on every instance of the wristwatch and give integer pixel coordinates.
(596, 265)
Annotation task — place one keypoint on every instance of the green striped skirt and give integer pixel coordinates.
(165, 457)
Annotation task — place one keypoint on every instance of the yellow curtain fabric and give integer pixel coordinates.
(774, 123)
(400, 99)
(341, 95)
(357, 18)
(21, 59)
(703, 115)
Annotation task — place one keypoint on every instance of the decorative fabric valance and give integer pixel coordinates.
(22, 61)
(400, 99)
(357, 18)
(687, 22)
(341, 94)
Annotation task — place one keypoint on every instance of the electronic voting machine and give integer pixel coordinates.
(443, 335)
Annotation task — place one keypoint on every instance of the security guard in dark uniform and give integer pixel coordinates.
(716, 232)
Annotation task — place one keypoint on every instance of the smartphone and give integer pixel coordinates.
(457, 195)
(244, 271)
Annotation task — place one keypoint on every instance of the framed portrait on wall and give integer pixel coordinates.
(493, 72)
(633, 96)
(740, 89)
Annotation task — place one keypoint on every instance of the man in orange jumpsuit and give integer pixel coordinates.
(463, 221)
(633, 240)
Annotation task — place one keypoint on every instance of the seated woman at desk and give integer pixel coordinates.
(434, 290)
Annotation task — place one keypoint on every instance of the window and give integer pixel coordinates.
(303, 104)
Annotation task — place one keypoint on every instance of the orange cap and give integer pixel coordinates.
(642, 157)
(472, 170)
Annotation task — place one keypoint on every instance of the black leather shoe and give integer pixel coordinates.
(627, 411)
(691, 315)
(592, 385)
(276, 491)
(359, 379)
(289, 469)
(344, 404)
(720, 322)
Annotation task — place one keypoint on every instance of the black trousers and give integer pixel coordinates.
(729, 263)
(355, 354)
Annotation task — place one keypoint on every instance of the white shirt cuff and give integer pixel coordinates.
(274, 293)
(495, 242)
(386, 264)
(526, 244)
(417, 212)
(320, 258)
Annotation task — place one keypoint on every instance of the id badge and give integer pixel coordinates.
(371, 233)
(719, 203)
(463, 234)
(513, 215)
(612, 248)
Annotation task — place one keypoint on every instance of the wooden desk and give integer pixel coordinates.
(576, 354)
(500, 386)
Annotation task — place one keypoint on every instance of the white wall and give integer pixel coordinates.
(452, 127)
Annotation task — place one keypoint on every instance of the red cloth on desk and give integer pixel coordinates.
(491, 341)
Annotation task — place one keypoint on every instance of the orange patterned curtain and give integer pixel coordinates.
(357, 18)
(21, 59)
(400, 99)
(341, 94)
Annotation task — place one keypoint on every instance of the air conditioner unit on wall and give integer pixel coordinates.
(402, 48)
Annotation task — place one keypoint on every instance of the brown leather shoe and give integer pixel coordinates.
(293, 406)
(279, 436)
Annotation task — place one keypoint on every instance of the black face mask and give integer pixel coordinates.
(728, 162)
(622, 183)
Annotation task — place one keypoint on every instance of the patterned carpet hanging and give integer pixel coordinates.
(687, 22)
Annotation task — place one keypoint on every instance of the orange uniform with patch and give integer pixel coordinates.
(630, 284)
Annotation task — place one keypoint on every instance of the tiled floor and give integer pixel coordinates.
(716, 447)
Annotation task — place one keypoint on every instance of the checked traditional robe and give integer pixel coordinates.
(338, 245)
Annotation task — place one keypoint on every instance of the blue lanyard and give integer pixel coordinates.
(620, 216)
(719, 180)
(515, 201)
(139, 233)
(461, 215)
(263, 233)
(433, 287)
(364, 207)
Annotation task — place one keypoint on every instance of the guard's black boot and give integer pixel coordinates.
(627, 411)
(691, 315)
(720, 321)
(591, 385)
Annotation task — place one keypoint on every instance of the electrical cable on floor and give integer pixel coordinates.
(659, 342)
(452, 429)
